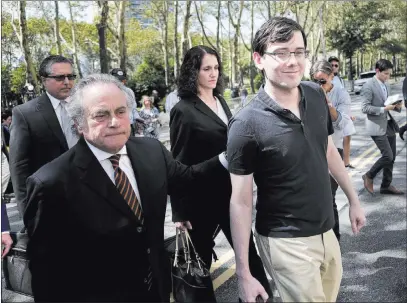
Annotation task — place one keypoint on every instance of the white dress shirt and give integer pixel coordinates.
(57, 107)
(124, 164)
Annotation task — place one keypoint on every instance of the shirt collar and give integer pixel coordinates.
(265, 97)
(54, 101)
(102, 155)
(380, 82)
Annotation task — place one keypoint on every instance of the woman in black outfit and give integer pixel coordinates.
(198, 132)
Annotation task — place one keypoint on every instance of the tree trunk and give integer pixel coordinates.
(122, 36)
(165, 48)
(250, 54)
(321, 25)
(57, 38)
(218, 27)
(350, 76)
(74, 42)
(357, 64)
(204, 36)
(186, 28)
(236, 26)
(101, 27)
(31, 73)
(176, 47)
(269, 9)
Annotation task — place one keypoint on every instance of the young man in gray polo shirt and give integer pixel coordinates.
(282, 139)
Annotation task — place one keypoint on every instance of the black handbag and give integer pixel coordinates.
(16, 270)
(191, 280)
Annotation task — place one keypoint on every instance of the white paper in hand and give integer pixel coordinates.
(394, 99)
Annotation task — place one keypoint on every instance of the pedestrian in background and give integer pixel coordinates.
(350, 128)
(339, 106)
(95, 215)
(171, 100)
(150, 115)
(282, 139)
(198, 131)
(381, 126)
(243, 96)
(41, 130)
(6, 119)
(135, 120)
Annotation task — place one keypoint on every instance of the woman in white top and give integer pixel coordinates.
(198, 132)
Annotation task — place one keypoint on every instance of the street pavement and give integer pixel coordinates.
(374, 262)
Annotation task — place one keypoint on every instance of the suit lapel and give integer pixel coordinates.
(379, 90)
(44, 106)
(202, 107)
(93, 174)
(140, 169)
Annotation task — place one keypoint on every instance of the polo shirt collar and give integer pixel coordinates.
(264, 97)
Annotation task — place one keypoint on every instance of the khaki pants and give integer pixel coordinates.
(305, 269)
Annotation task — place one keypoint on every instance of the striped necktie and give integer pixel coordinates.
(125, 188)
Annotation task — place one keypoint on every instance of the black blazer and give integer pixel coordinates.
(36, 139)
(198, 134)
(83, 236)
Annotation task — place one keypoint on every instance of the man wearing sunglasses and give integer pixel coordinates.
(41, 129)
(337, 80)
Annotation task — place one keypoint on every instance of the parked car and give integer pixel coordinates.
(362, 80)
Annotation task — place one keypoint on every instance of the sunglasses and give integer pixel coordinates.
(335, 65)
(320, 81)
(61, 78)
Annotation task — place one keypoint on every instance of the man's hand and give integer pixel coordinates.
(390, 107)
(357, 217)
(7, 242)
(398, 106)
(250, 289)
(183, 225)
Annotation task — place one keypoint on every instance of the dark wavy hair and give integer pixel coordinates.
(188, 75)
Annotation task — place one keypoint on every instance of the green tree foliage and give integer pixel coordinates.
(149, 75)
(357, 27)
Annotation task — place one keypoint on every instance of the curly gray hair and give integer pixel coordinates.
(75, 106)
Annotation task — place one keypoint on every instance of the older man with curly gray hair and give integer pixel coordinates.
(105, 197)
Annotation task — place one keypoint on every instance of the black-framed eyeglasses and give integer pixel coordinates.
(285, 55)
(335, 65)
(61, 78)
(319, 81)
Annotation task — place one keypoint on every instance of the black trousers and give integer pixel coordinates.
(202, 237)
(334, 188)
(387, 147)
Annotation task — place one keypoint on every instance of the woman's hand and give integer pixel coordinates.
(183, 225)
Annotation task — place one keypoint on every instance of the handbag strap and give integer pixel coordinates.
(198, 258)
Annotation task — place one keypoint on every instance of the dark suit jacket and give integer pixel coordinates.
(6, 134)
(198, 134)
(36, 139)
(82, 233)
(5, 225)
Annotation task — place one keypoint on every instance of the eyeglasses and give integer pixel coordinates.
(285, 55)
(335, 65)
(61, 78)
(320, 81)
